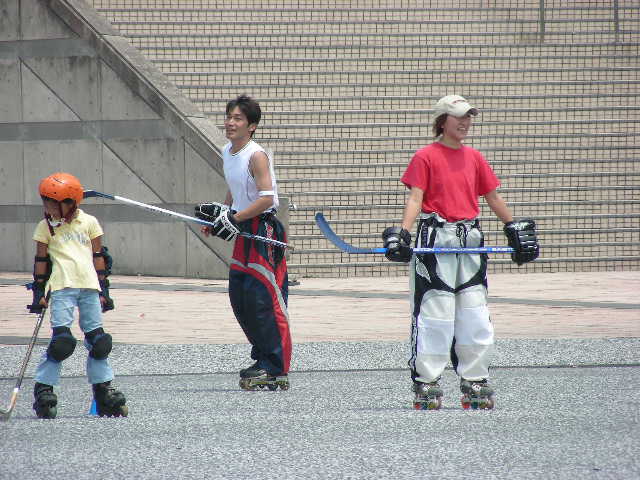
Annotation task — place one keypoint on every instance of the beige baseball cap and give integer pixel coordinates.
(453, 105)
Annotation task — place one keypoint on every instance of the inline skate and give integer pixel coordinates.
(477, 395)
(428, 395)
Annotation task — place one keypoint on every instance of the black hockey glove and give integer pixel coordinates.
(522, 238)
(397, 241)
(104, 293)
(209, 211)
(37, 289)
(225, 226)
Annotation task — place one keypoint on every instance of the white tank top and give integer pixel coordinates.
(241, 183)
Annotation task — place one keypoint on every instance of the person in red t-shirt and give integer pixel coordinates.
(450, 317)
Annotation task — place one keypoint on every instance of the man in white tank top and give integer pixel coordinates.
(258, 283)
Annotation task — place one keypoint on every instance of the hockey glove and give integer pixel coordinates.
(225, 226)
(522, 238)
(104, 293)
(397, 241)
(209, 211)
(37, 289)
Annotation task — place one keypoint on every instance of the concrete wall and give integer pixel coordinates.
(76, 97)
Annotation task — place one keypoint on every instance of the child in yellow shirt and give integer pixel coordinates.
(70, 271)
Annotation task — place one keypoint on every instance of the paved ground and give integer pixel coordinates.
(155, 310)
(567, 372)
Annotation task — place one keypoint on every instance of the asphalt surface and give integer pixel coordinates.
(566, 371)
(348, 414)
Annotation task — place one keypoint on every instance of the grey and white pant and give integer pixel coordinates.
(450, 317)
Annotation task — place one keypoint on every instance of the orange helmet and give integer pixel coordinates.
(61, 186)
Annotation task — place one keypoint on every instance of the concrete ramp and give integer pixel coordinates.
(75, 96)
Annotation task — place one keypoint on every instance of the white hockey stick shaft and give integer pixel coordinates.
(181, 216)
(5, 413)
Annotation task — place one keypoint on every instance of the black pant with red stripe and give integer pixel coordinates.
(258, 290)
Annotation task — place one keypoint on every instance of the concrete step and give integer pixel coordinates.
(395, 170)
(452, 44)
(476, 54)
(515, 154)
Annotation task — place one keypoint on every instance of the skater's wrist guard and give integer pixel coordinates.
(108, 261)
(38, 293)
(104, 293)
(40, 280)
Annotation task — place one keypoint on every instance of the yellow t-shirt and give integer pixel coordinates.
(70, 251)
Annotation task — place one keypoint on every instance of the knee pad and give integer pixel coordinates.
(101, 343)
(62, 344)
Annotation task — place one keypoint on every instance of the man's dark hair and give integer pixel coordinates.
(248, 106)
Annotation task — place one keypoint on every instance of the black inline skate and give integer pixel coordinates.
(46, 402)
(477, 395)
(255, 377)
(428, 395)
(110, 402)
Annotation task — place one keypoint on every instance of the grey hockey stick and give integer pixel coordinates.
(5, 413)
(181, 216)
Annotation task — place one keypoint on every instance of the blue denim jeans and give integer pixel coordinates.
(62, 305)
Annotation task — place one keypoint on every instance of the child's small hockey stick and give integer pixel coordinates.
(5, 413)
(182, 216)
(326, 230)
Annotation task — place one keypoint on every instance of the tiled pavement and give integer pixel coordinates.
(164, 310)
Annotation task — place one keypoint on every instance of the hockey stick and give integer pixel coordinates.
(326, 230)
(182, 216)
(5, 413)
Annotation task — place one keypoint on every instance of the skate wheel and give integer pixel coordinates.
(489, 403)
(50, 414)
(284, 386)
(272, 386)
(245, 384)
(466, 402)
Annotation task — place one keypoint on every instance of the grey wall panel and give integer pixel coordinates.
(38, 22)
(202, 184)
(14, 249)
(11, 174)
(10, 90)
(120, 180)
(74, 79)
(146, 248)
(119, 101)
(39, 103)
(78, 157)
(158, 163)
(9, 20)
(207, 257)
(74, 100)
(124, 240)
(164, 249)
(29, 247)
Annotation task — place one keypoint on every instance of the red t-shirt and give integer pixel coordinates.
(452, 180)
